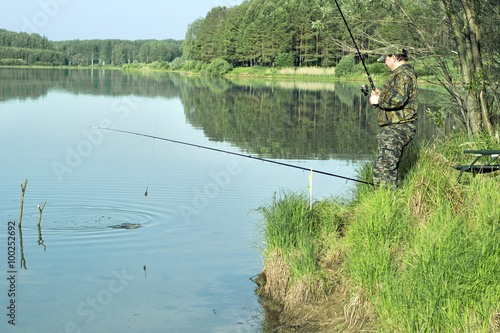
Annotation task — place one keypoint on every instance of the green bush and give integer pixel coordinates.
(345, 66)
(199, 66)
(194, 65)
(377, 68)
(284, 60)
(12, 62)
(177, 64)
(41, 63)
(159, 65)
(218, 67)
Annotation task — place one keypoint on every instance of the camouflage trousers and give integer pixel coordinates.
(391, 140)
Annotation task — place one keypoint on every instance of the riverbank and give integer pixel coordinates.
(245, 73)
(423, 258)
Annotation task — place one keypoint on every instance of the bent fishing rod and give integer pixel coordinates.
(232, 153)
(364, 88)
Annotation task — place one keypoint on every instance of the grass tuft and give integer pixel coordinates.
(290, 233)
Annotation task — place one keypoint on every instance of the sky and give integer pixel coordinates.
(106, 19)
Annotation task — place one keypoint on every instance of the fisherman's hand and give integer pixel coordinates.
(375, 96)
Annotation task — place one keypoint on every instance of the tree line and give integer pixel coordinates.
(32, 49)
(311, 31)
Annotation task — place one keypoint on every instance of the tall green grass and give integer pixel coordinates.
(426, 257)
(293, 229)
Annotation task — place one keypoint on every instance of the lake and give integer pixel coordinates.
(109, 258)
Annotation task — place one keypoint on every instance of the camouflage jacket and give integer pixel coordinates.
(399, 97)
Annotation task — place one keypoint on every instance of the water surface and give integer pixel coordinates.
(187, 264)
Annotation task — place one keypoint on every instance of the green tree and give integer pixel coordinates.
(345, 66)
(462, 23)
(207, 49)
(189, 44)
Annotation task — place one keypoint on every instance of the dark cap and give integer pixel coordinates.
(388, 51)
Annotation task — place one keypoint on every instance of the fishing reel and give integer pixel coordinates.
(364, 89)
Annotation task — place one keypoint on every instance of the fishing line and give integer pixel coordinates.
(42, 140)
(233, 153)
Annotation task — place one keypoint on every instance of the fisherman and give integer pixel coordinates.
(397, 104)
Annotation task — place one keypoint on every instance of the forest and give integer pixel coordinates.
(313, 32)
(32, 49)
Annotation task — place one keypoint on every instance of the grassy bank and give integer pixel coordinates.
(424, 258)
(261, 72)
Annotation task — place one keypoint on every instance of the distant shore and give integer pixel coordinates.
(255, 72)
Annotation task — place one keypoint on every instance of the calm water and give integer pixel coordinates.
(186, 264)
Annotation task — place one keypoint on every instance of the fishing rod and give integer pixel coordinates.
(233, 153)
(364, 88)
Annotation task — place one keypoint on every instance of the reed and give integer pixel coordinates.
(307, 71)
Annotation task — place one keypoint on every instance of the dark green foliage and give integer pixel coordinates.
(218, 67)
(24, 40)
(36, 50)
(159, 65)
(177, 64)
(31, 56)
(284, 60)
(345, 66)
(258, 31)
(377, 68)
(12, 62)
(198, 66)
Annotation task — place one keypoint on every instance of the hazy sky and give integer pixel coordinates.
(106, 19)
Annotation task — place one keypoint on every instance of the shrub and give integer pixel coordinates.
(191, 65)
(12, 62)
(177, 64)
(41, 63)
(345, 66)
(284, 60)
(377, 68)
(199, 66)
(218, 67)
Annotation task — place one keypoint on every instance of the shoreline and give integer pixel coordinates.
(241, 74)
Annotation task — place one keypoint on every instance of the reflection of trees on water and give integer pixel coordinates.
(283, 123)
(307, 121)
(277, 119)
(24, 83)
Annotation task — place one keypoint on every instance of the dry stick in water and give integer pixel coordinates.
(23, 189)
(40, 210)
